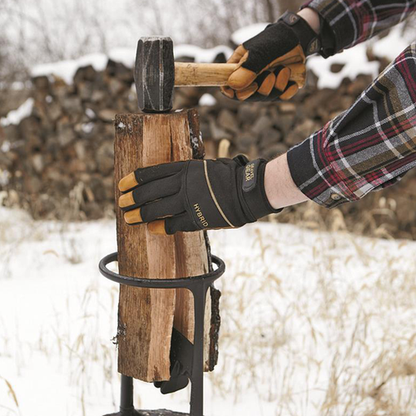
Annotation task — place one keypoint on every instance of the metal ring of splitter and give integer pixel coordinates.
(183, 282)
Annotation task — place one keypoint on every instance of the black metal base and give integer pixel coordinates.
(162, 412)
(192, 368)
(131, 412)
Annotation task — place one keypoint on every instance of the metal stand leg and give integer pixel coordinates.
(126, 398)
(197, 379)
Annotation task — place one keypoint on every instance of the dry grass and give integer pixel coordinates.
(312, 336)
(12, 394)
(316, 323)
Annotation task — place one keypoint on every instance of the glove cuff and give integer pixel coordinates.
(253, 191)
(308, 38)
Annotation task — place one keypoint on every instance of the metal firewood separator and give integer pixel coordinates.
(187, 359)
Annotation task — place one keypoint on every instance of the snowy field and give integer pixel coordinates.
(312, 323)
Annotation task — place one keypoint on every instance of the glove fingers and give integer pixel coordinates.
(275, 94)
(169, 206)
(237, 55)
(241, 78)
(298, 74)
(271, 85)
(228, 92)
(267, 90)
(290, 91)
(180, 223)
(294, 56)
(133, 217)
(267, 83)
(148, 174)
(235, 58)
(282, 78)
(264, 85)
(150, 192)
(171, 225)
(242, 95)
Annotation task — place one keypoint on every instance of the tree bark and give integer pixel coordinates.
(146, 316)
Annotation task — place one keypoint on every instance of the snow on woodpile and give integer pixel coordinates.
(390, 46)
(16, 116)
(67, 69)
(351, 63)
(207, 100)
(197, 54)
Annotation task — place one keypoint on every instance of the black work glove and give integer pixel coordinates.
(196, 195)
(272, 64)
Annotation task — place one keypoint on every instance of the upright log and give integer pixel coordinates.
(146, 316)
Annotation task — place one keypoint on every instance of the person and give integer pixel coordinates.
(366, 148)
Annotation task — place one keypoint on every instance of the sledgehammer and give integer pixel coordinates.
(156, 74)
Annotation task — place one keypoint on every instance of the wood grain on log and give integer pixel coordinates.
(146, 316)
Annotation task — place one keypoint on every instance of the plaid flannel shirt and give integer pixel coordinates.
(372, 144)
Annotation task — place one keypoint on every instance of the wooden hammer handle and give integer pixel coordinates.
(213, 75)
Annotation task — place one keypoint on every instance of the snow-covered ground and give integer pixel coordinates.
(312, 323)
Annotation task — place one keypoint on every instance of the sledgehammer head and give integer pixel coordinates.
(154, 74)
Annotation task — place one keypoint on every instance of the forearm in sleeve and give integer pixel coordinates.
(348, 22)
(369, 146)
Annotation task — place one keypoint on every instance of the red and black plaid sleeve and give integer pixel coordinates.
(348, 22)
(369, 146)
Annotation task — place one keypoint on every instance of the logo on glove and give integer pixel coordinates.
(204, 222)
(249, 172)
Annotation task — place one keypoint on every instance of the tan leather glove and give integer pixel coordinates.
(272, 64)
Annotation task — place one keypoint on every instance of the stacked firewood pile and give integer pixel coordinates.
(58, 161)
(60, 158)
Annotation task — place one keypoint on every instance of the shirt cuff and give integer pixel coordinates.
(335, 34)
(320, 184)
